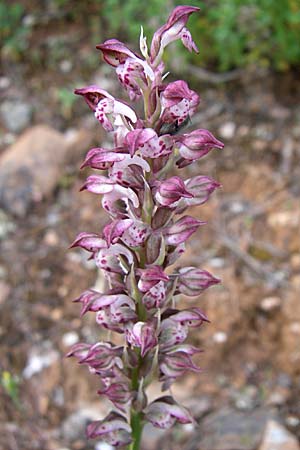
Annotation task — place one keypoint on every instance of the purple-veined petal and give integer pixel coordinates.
(115, 229)
(181, 230)
(171, 191)
(136, 234)
(101, 158)
(201, 187)
(197, 144)
(113, 430)
(89, 241)
(98, 184)
(155, 297)
(150, 277)
(193, 281)
(179, 102)
(158, 146)
(136, 139)
(141, 335)
(164, 412)
(171, 31)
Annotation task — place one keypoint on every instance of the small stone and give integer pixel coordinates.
(51, 238)
(295, 261)
(4, 291)
(4, 82)
(292, 421)
(246, 400)
(220, 337)
(103, 446)
(15, 115)
(66, 66)
(227, 130)
(70, 338)
(6, 225)
(279, 396)
(30, 168)
(276, 437)
(228, 429)
(270, 303)
(38, 360)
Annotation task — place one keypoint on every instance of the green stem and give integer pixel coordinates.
(137, 430)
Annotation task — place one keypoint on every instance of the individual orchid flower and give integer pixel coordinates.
(113, 430)
(115, 229)
(129, 172)
(181, 230)
(142, 335)
(132, 76)
(116, 53)
(174, 29)
(109, 258)
(196, 144)
(192, 281)
(118, 393)
(201, 187)
(164, 412)
(89, 241)
(178, 102)
(103, 104)
(148, 143)
(102, 158)
(150, 277)
(170, 191)
(156, 296)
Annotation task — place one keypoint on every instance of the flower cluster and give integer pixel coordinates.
(146, 234)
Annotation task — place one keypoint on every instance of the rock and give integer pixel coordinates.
(30, 168)
(6, 225)
(269, 304)
(276, 437)
(15, 115)
(227, 130)
(247, 399)
(228, 430)
(40, 359)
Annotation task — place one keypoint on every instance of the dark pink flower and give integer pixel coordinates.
(150, 277)
(115, 229)
(170, 191)
(103, 104)
(197, 144)
(89, 241)
(148, 143)
(102, 158)
(178, 102)
(174, 29)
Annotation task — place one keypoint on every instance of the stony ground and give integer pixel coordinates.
(248, 394)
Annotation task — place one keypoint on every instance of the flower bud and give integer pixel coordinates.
(170, 191)
(113, 429)
(193, 281)
(181, 230)
(164, 412)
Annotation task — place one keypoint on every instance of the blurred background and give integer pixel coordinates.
(247, 74)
